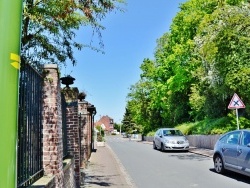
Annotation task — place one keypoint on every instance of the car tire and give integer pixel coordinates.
(162, 147)
(218, 164)
(154, 146)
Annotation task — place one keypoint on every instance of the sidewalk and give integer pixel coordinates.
(202, 151)
(105, 169)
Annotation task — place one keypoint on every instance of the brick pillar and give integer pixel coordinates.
(82, 109)
(73, 130)
(52, 125)
(88, 137)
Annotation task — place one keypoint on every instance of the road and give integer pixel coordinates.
(150, 168)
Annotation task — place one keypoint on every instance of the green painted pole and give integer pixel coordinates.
(10, 34)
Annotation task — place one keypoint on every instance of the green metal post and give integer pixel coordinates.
(10, 34)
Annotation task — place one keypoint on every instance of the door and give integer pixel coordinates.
(158, 139)
(244, 153)
(230, 149)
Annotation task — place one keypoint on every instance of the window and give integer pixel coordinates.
(159, 133)
(172, 133)
(232, 138)
(165, 133)
(246, 138)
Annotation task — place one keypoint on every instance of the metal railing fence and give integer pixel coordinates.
(29, 166)
(64, 126)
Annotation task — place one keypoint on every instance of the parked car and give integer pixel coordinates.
(170, 139)
(232, 152)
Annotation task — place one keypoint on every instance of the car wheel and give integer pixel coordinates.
(162, 147)
(218, 164)
(154, 146)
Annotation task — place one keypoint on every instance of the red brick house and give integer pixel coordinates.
(107, 124)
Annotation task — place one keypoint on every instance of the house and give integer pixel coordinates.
(107, 123)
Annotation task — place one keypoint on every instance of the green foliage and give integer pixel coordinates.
(211, 126)
(197, 67)
(222, 44)
(117, 126)
(128, 124)
(214, 126)
(186, 127)
(100, 134)
(151, 133)
(100, 138)
(197, 102)
(244, 123)
(48, 29)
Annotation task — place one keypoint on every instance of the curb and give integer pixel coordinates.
(200, 151)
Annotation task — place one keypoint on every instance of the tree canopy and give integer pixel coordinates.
(197, 67)
(49, 27)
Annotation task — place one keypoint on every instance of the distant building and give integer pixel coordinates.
(107, 123)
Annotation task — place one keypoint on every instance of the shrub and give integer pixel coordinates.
(100, 138)
(151, 133)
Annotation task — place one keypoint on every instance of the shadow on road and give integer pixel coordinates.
(233, 175)
(187, 156)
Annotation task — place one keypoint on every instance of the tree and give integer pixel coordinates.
(126, 121)
(49, 27)
(141, 99)
(222, 44)
(128, 124)
(118, 127)
(198, 65)
(182, 60)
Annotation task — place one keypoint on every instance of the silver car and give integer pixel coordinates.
(232, 152)
(170, 139)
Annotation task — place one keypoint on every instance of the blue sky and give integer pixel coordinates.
(129, 38)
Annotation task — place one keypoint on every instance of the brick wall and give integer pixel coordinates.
(79, 121)
(59, 173)
(73, 131)
(52, 125)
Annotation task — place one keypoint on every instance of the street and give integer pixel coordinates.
(151, 168)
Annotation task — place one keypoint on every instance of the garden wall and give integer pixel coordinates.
(199, 141)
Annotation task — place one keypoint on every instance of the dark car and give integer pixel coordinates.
(232, 152)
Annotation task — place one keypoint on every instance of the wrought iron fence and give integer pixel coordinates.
(64, 126)
(29, 166)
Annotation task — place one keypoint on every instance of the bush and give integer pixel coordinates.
(214, 126)
(186, 128)
(100, 138)
(151, 133)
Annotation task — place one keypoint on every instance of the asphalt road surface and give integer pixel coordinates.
(149, 168)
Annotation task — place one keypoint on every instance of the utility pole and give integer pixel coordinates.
(10, 35)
